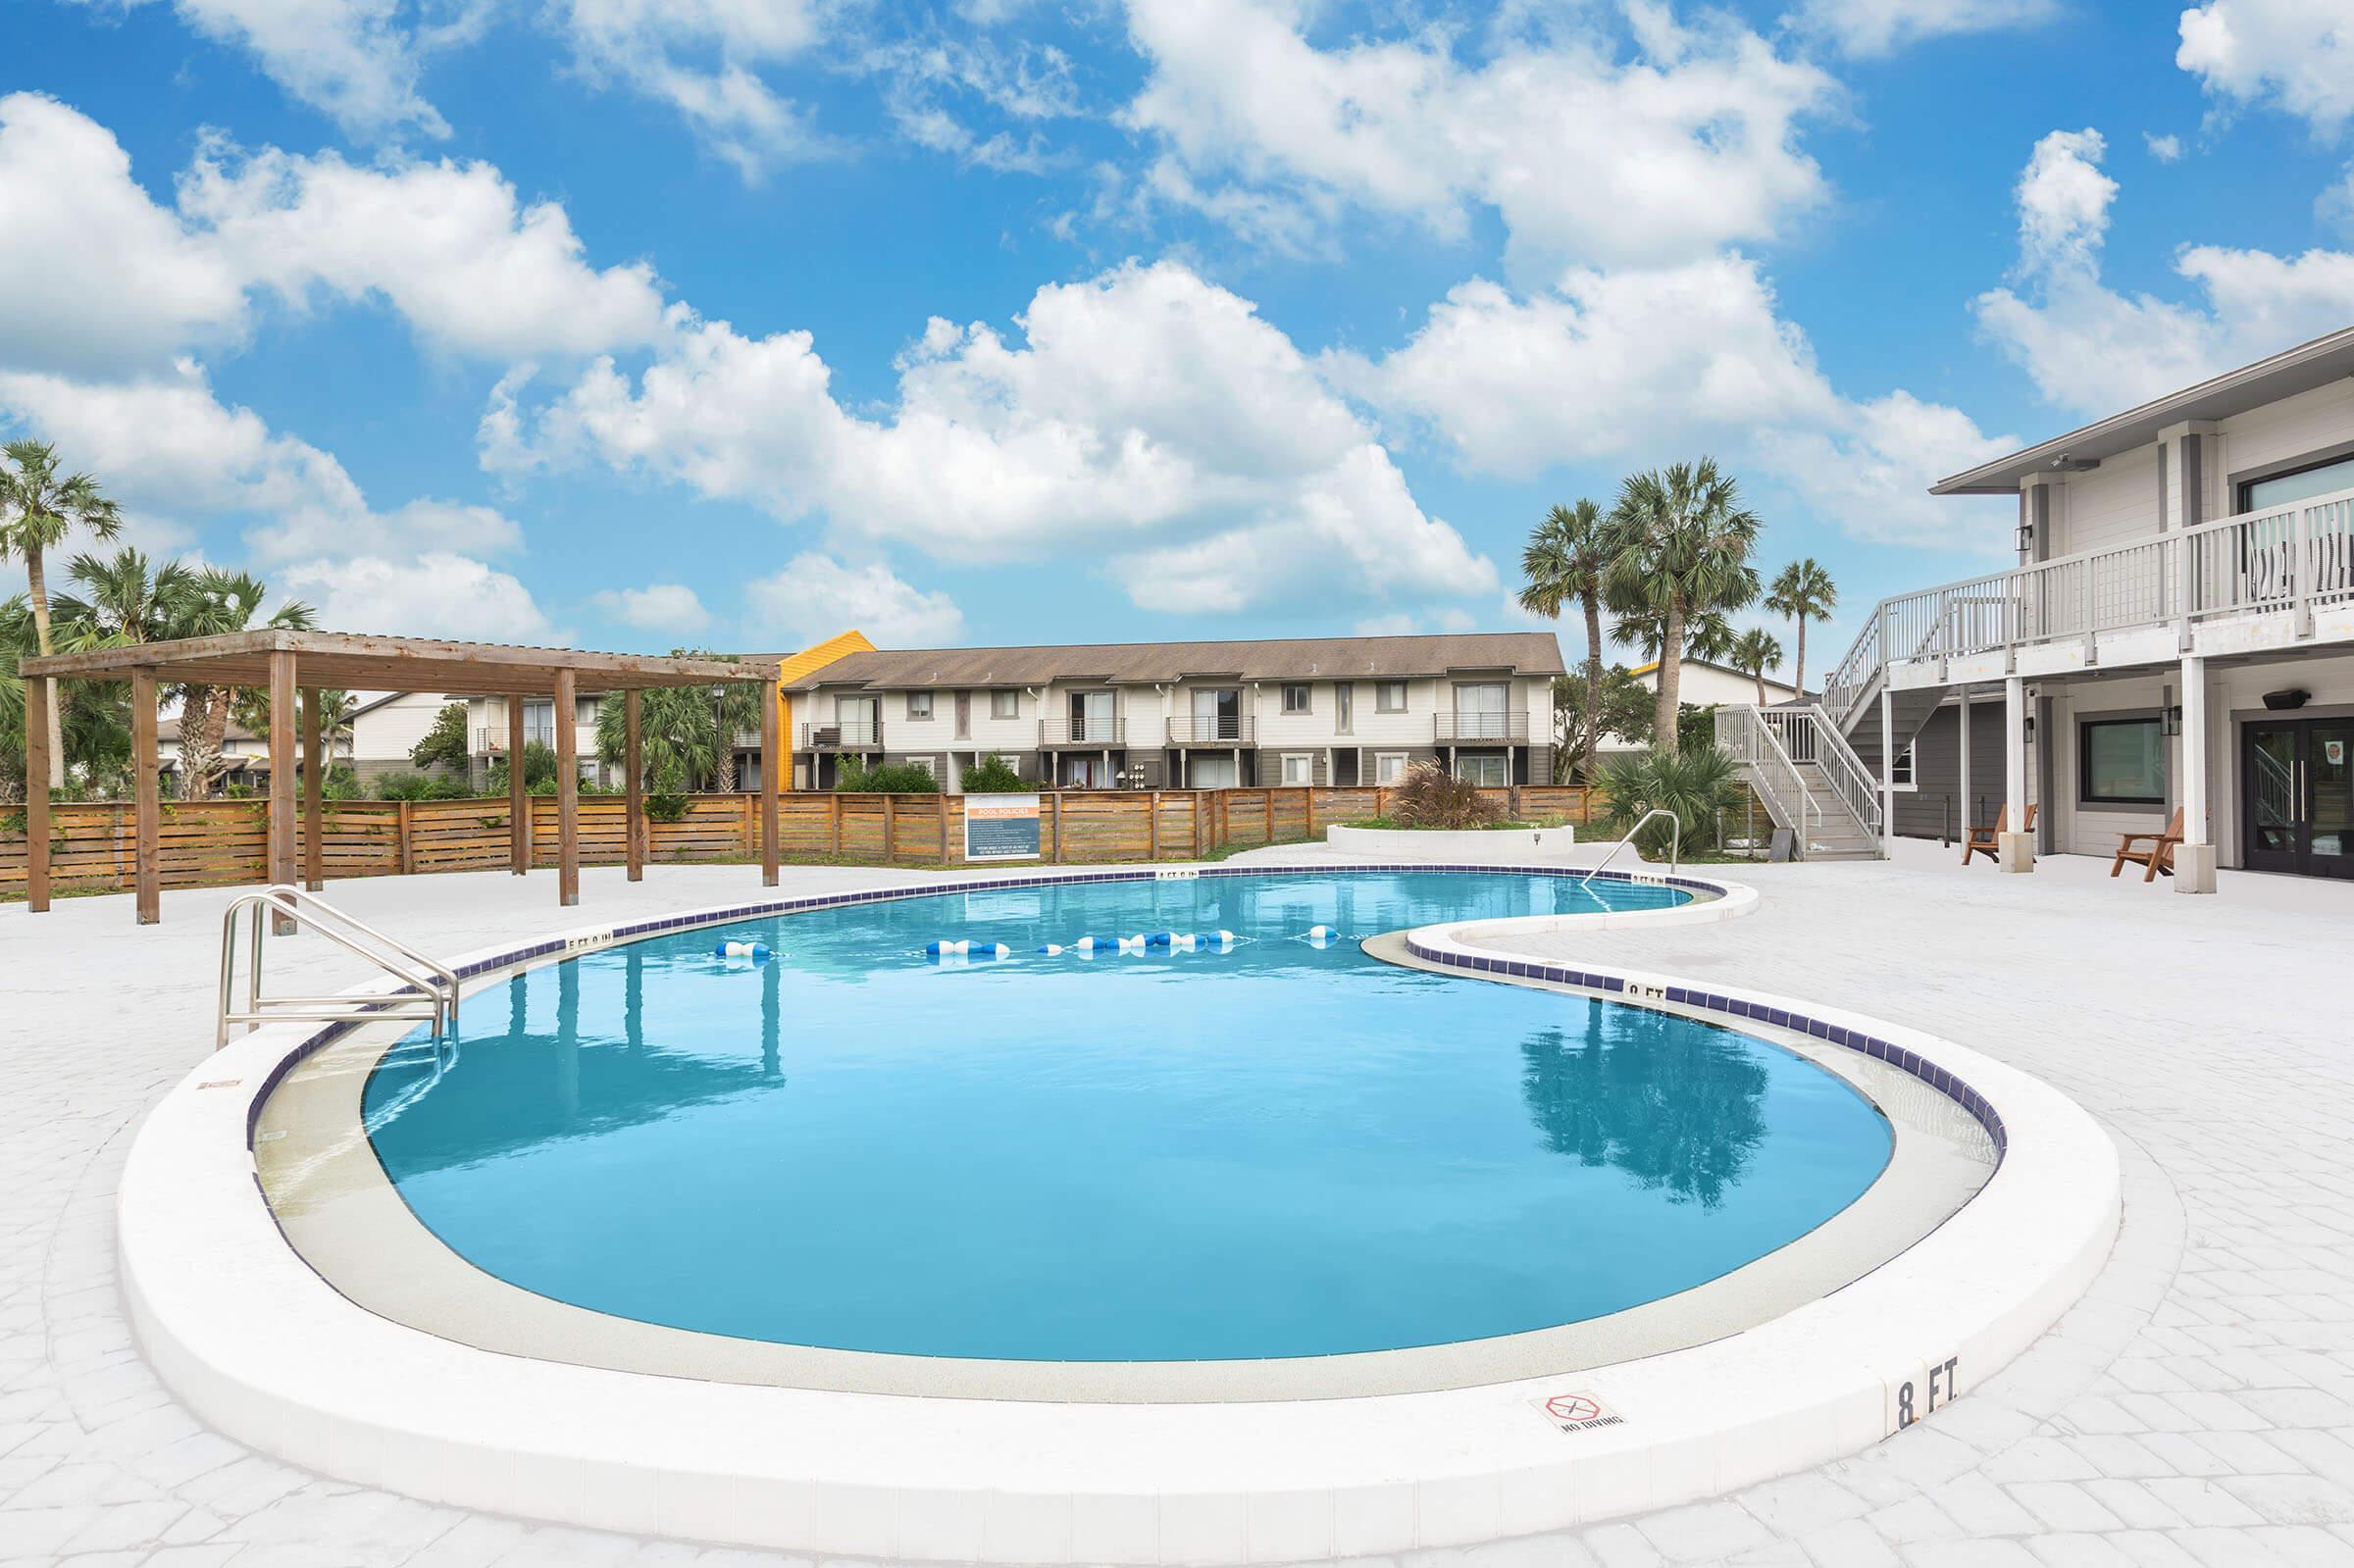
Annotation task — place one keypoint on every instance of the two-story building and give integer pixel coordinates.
(1189, 715)
(2177, 634)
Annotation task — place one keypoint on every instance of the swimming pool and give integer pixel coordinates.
(1285, 1148)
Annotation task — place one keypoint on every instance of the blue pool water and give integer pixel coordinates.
(1279, 1151)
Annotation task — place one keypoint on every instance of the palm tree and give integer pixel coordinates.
(124, 599)
(1563, 561)
(686, 732)
(1755, 652)
(1683, 542)
(1802, 590)
(1709, 639)
(38, 510)
(227, 602)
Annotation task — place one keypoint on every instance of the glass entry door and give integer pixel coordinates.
(2297, 780)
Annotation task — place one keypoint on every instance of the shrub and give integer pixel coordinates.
(417, 786)
(992, 774)
(1429, 796)
(885, 779)
(340, 783)
(666, 805)
(1692, 785)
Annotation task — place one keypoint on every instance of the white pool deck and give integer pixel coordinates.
(2198, 1407)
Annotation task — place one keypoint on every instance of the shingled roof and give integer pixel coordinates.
(1268, 659)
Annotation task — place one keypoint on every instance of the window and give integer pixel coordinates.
(1004, 704)
(1389, 767)
(2122, 763)
(1299, 768)
(2298, 484)
(919, 704)
(924, 763)
(1485, 770)
(1388, 696)
(1900, 772)
(1295, 699)
(1344, 707)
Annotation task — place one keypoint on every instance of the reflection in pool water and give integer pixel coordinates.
(1282, 1151)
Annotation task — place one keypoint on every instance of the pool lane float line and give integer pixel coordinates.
(757, 952)
(966, 950)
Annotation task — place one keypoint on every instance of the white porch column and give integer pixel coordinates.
(2194, 858)
(1961, 808)
(2015, 846)
(1887, 773)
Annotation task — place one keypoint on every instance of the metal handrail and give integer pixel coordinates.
(436, 983)
(1755, 746)
(1851, 780)
(1676, 841)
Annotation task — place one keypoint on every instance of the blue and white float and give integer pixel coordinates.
(736, 949)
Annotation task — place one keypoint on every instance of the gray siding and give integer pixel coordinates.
(1937, 806)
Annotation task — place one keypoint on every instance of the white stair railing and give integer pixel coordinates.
(1808, 736)
(432, 988)
(1743, 735)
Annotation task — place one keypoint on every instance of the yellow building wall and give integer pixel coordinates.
(791, 669)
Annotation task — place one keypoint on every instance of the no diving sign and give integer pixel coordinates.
(1578, 1412)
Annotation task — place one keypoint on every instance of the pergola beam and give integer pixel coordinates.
(273, 658)
(632, 795)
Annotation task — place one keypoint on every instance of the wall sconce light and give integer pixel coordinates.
(2172, 724)
(2026, 538)
(2026, 730)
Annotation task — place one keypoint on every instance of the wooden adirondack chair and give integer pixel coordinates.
(1983, 841)
(2159, 857)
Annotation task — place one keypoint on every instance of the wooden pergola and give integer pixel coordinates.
(287, 663)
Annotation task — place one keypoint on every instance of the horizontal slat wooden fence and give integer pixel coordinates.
(220, 842)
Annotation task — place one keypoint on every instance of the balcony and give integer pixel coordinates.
(493, 738)
(1081, 734)
(1212, 730)
(843, 734)
(2137, 603)
(1480, 728)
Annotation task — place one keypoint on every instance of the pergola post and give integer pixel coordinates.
(519, 800)
(147, 861)
(281, 773)
(37, 795)
(313, 791)
(632, 794)
(771, 754)
(567, 792)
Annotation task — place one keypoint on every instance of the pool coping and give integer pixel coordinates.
(263, 1348)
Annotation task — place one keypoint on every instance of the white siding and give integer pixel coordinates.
(388, 734)
(2114, 504)
(2284, 433)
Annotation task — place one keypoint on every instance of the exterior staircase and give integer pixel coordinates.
(1807, 777)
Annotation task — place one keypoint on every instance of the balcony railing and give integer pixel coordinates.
(1081, 732)
(843, 734)
(1465, 727)
(2283, 559)
(1212, 730)
(494, 737)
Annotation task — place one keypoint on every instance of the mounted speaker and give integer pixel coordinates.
(2281, 701)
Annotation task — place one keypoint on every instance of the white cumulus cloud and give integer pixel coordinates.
(1864, 29)
(1146, 417)
(2297, 55)
(2094, 350)
(1585, 152)
(355, 59)
(656, 607)
(1639, 367)
(707, 60)
(436, 594)
(817, 595)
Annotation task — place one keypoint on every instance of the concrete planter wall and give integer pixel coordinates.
(1477, 844)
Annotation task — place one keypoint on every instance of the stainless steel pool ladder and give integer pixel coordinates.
(1676, 841)
(432, 988)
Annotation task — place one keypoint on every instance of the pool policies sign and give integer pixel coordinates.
(1001, 827)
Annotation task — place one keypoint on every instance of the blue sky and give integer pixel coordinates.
(733, 322)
